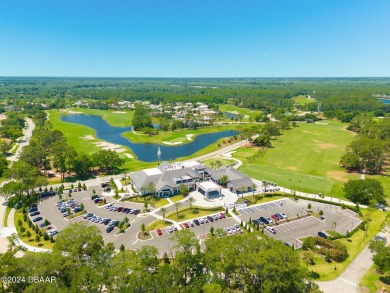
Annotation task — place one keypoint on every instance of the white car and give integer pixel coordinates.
(270, 229)
(283, 215)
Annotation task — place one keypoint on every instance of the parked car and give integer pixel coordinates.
(120, 209)
(323, 234)
(32, 208)
(109, 229)
(284, 216)
(96, 200)
(37, 219)
(42, 225)
(223, 215)
(185, 225)
(197, 223)
(274, 217)
(159, 232)
(270, 229)
(34, 213)
(264, 220)
(137, 211)
(210, 218)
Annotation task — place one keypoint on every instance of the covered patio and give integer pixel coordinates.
(209, 189)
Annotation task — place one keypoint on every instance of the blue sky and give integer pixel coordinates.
(214, 38)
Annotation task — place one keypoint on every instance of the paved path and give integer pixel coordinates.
(23, 141)
(348, 281)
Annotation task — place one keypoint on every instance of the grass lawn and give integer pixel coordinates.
(373, 282)
(158, 224)
(177, 198)
(262, 198)
(302, 100)
(30, 240)
(304, 158)
(187, 214)
(224, 162)
(241, 111)
(354, 245)
(159, 202)
(7, 211)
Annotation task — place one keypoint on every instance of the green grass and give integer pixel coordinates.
(354, 244)
(158, 224)
(7, 211)
(187, 214)
(304, 158)
(372, 283)
(159, 202)
(30, 241)
(261, 198)
(302, 100)
(241, 111)
(224, 162)
(177, 198)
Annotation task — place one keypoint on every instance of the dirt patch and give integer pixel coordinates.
(338, 175)
(326, 146)
(293, 168)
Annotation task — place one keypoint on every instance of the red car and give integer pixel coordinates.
(222, 215)
(159, 232)
(275, 217)
(186, 225)
(120, 209)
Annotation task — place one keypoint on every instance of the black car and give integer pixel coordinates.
(94, 196)
(32, 209)
(323, 234)
(109, 229)
(42, 225)
(106, 221)
(210, 218)
(114, 224)
(96, 200)
(34, 213)
(37, 219)
(136, 212)
(126, 210)
(264, 220)
(197, 223)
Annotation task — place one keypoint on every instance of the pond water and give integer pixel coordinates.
(146, 152)
(230, 115)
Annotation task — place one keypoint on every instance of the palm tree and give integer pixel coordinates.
(191, 200)
(183, 189)
(152, 189)
(224, 180)
(253, 186)
(163, 212)
(218, 164)
(177, 205)
(265, 184)
(242, 189)
(212, 164)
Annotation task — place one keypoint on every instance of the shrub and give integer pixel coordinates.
(37, 238)
(28, 234)
(45, 237)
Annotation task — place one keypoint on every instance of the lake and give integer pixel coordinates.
(146, 152)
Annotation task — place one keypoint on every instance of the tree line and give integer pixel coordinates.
(81, 262)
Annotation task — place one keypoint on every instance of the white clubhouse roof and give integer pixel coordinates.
(152, 171)
(209, 186)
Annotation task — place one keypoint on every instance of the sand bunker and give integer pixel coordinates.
(109, 146)
(70, 111)
(129, 156)
(88, 137)
(189, 136)
(119, 112)
(172, 143)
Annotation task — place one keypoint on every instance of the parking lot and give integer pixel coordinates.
(164, 244)
(300, 223)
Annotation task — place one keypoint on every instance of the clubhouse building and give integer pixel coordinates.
(166, 179)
